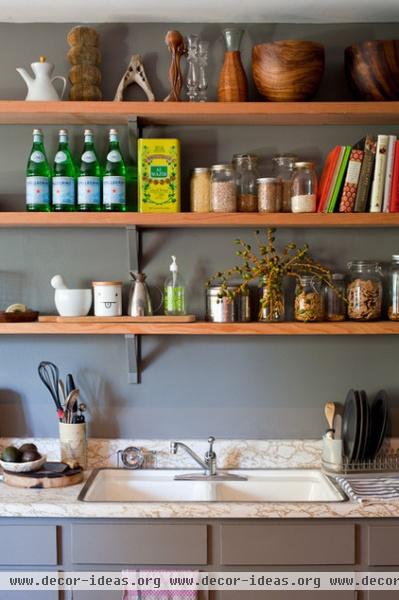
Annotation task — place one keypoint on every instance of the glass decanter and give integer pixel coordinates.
(193, 67)
(203, 48)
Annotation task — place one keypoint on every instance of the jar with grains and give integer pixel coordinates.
(304, 188)
(364, 290)
(335, 302)
(200, 190)
(283, 168)
(393, 308)
(245, 167)
(269, 195)
(309, 301)
(223, 189)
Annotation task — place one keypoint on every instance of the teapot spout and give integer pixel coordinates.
(25, 76)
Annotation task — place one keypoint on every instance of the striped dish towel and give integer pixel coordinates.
(370, 489)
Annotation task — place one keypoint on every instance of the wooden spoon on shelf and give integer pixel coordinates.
(329, 411)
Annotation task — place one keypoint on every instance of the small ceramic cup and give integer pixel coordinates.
(73, 303)
(107, 298)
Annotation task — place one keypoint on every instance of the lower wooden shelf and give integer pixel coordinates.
(201, 328)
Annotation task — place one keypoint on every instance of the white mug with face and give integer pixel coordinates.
(107, 298)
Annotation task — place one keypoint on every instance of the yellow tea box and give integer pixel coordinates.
(159, 175)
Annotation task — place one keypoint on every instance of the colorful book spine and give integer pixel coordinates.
(340, 179)
(394, 201)
(389, 173)
(333, 180)
(366, 172)
(348, 198)
(377, 187)
(326, 177)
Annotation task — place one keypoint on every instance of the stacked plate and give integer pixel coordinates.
(364, 425)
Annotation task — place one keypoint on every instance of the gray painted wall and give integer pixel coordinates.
(231, 387)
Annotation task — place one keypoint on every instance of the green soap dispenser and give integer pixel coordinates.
(174, 292)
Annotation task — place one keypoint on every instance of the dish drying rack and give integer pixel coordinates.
(384, 463)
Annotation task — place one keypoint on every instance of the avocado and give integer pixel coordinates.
(26, 447)
(30, 455)
(11, 454)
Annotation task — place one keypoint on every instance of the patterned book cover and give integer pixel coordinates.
(363, 187)
(349, 192)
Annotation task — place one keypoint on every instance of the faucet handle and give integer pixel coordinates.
(210, 453)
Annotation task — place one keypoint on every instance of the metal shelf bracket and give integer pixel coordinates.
(133, 357)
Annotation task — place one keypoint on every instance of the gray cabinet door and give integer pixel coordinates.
(28, 545)
(383, 545)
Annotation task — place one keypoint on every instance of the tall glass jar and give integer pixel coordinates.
(335, 302)
(200, 190)
(364, 291)
(393, 309)
(223, 189)
(283, 168)
(309, 301)
(304, 188)
(245, 166)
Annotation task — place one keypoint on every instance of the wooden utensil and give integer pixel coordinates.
(329, 411)
(177, 47)
(372, 69)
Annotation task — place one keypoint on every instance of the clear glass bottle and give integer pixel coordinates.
(304, 188)
(335, 298)
(89, 177)
(193, 68)
(309, 301)
(223, 189)
(393, 309)
(38, 176)
(203, 48)
(283, 168)
(64, 176)
(114, 177)
(245, 167)
(200, 190)
(174, 292)
(364, 290)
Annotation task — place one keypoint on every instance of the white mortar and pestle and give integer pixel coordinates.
(70, 303)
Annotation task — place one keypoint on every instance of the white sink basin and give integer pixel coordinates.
(286, 485)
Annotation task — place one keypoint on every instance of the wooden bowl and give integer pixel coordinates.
(289, 70)
(372, 69)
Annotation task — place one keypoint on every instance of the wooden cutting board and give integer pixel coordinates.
(154, 319)
(51, 475)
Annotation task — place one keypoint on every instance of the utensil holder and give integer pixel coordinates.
(73, 444)
(332, 453)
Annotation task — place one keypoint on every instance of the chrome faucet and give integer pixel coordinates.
(209, 462)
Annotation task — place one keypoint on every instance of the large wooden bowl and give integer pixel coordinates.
(288, 70)
(372, 69)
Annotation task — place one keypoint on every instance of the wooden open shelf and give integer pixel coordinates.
(208, 113)
(201, 328)
(200, 220)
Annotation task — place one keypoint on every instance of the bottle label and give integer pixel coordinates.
(37, 156)
(88, 156)
(114, 156)
(60, 157)
(114, 188)
(37, 190)
(89, 190)
(174, 299)
(63, 190)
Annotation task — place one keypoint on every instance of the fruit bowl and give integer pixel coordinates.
(23, 467)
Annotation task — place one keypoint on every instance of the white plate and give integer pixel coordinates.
(23, 467)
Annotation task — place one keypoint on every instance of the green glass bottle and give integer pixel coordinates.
(38, 176)
(114, 179)
(89, 178)
(64, 176)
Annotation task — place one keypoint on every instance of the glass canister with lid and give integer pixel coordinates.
(283, 168)
(200, 190)
(309, 300)
(304, 188)
(364, 290)
(223, 189)
(335, 298)
(393, 308)
(269, 194)
(245, 167)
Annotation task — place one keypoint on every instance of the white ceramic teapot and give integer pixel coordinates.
(41, 86)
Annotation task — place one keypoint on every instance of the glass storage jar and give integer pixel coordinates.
(393, 309)
(335, 303)
(309, 301)
(304, 188)
(364, 290)
(200, 190)
(245, 167)
(223, 189)
(269, 194)
(283, 168)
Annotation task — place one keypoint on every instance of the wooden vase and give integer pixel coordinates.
(233, 85)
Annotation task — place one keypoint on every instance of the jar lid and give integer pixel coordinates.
(364, 264)
(304, 165)
(395, 257)
(217, 288)
(285, 157)
(308, 279)
(268, 180)
(94, 283)
(338, 276)
(227, 167)
(201, 170)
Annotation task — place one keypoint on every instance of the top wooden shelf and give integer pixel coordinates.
(14, 112)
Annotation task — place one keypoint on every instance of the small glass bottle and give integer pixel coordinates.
(304, 188)
(200, 190)
(223, 189)
(203, 48)
(64, 176)
(364, 290)
(335, 298)
(393, 309)
(269, 194)
(89, 178)
(38, 176)
(309, 301)
(193, 67)
(114, 178)
(245, 166)
(283, 168)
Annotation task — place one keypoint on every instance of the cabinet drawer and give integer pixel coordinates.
(383, 545)
(28, 545)
(125, 544)
(277, 544)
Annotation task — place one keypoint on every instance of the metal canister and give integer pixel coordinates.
(224, 310)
